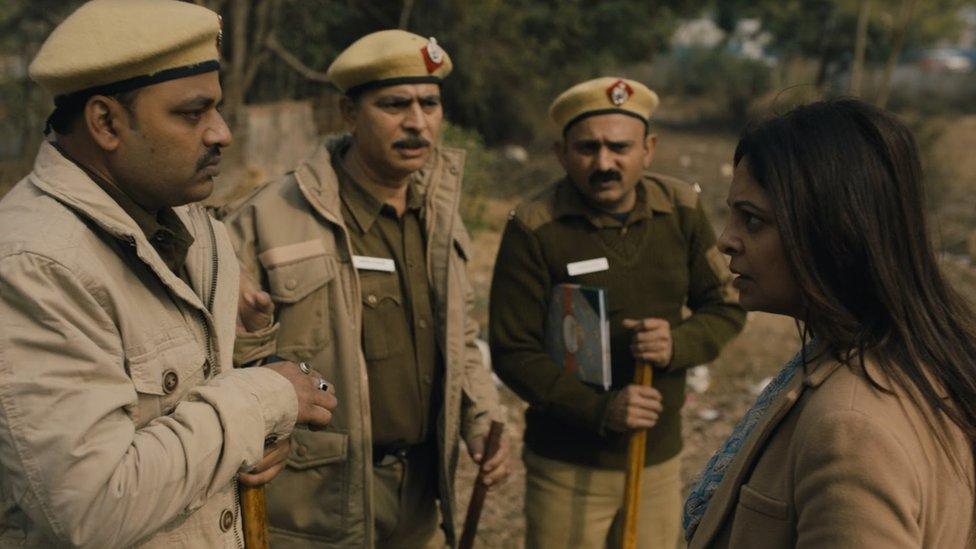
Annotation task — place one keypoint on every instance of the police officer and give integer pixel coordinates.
(362, 254)
(644, 238)
(121, 420)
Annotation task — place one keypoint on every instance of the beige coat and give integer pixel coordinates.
(838, 463)
(121, 420)
(290, 235)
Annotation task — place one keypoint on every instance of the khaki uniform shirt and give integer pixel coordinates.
(398, 322)
(661, 259)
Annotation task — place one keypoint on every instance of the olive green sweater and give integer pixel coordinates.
(661, 258)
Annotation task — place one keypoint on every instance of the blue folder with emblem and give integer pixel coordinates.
(578, 332)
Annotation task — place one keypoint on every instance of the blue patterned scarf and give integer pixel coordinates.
(701, 494)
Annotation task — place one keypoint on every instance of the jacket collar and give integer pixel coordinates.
(64, 180)
(319, 182)
(724, 498)
(650, 199)
(67, 183)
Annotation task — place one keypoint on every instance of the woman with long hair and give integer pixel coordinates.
(866, 437)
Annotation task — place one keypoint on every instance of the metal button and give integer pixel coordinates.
(423, 323)
(453, 170)
(428, 379)
(170, 381)
(291, 284)
(226, 520)
(371, 299)
(301, 450)
(270, 439)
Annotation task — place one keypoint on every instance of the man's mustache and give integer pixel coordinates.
(411, 142)
(211, 157)
(604, 176)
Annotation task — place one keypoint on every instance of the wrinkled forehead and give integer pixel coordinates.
(615, 127)
(403, 91)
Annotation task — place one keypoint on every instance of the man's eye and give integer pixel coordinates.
(193, 115)
(618, 149)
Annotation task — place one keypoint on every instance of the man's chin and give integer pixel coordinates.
(200, 190)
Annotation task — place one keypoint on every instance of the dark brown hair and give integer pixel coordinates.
(845, 182)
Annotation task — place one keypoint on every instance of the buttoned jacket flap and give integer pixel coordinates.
(162, 370)
(291, 282)
(316, 448)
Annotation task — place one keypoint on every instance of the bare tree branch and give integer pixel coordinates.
(252, 69)
(898, 44)
(405, 14)
(293, 61)
(860, 45)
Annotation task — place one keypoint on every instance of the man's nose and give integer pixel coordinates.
(604, 159)
(218, 133)
(414, 118)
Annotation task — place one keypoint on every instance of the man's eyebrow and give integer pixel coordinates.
(397, 98)
(198, 102)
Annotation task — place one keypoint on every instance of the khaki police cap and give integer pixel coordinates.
(114, 46)
(603, 96)
(389, 58)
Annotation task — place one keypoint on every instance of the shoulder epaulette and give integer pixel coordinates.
(681, 193)
(538, 209)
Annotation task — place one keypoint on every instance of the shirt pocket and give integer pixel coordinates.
(300, 290)
(162, 377)
(383, 316)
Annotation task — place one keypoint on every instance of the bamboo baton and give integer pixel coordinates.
(480, 490)
(643, 375)
(254, 516)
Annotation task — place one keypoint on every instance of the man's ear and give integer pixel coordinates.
(348, 109)
(103, 116)
(650, 143)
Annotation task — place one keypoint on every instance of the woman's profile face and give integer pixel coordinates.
(752, 241)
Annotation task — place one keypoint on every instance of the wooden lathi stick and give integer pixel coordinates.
(480, 490)
(254, 515)
(643, 375)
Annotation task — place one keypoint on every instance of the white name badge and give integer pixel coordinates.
(588, 266)
(366, 263)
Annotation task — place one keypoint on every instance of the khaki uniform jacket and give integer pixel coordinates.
(121, 420)
(838, 463)
(290, 235)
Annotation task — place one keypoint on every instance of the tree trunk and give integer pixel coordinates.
(860, 45)
(897, 44)
(405, 14)
(234, 78)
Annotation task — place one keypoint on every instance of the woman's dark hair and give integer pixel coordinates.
(845, 182)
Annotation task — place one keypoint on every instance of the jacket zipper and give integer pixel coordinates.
(237, 509)
(210, 297)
